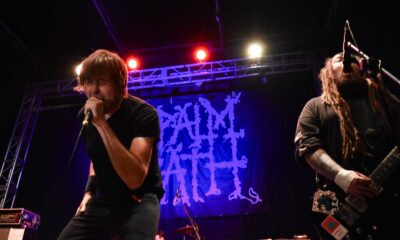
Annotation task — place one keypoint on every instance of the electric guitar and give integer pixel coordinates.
(346, 216)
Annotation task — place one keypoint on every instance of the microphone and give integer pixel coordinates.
(346, 50)
(88, 117)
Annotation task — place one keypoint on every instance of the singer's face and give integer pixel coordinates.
(103, 89)
(342, 78)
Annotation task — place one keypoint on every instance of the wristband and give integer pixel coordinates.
(91, 184)
(343, 179)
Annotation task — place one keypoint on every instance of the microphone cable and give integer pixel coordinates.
(85, 123)
(351, 33)
(64, 177)
(73, 153)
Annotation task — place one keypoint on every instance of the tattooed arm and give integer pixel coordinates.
(350, 181)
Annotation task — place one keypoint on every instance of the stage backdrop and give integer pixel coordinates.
(210, 154)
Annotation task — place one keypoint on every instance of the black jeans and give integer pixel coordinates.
(101, 221)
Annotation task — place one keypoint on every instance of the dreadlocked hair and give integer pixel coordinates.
(377, 94)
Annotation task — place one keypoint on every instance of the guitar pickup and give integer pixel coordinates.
(356, 203)
(348, 216)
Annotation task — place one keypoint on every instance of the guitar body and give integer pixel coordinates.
(380, 220)
(341, 216)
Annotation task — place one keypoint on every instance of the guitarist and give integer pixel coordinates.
(343, 135)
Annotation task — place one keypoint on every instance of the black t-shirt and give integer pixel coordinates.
(318, 127)
(135, 118)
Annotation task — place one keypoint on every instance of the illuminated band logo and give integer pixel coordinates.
(199, 147)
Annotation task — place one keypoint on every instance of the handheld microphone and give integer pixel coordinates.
(346, 50)
(88, 117)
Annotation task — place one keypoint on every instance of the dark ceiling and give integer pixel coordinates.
(44, 41)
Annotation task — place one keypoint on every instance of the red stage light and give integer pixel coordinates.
(201, 54)
(133, 63)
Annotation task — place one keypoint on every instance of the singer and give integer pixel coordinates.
(343, 135)
(121, 199)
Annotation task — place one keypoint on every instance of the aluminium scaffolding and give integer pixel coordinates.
(14, 160)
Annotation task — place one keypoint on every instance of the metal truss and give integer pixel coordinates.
(219, 70)
(14, 160)
(39, 96)
(197, 73)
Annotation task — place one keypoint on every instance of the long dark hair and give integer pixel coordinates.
(378, 96)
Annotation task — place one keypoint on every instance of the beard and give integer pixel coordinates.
(353, 88)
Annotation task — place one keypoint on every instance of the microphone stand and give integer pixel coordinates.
(194, 225)
(368, 59)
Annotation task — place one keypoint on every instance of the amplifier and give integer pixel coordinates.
(19, 217)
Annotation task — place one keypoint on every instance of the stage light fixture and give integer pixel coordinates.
(78, 69)
(133, 63)
(255, 50)
(201, 54)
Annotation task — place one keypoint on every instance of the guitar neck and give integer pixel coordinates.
(379, 176)
(386, 167)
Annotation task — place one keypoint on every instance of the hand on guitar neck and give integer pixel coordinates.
(357, 184)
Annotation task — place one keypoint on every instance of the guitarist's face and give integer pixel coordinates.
(341, 78)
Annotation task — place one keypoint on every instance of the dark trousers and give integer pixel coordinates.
(101, 221)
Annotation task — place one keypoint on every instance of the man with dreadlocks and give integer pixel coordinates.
(343, 135)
